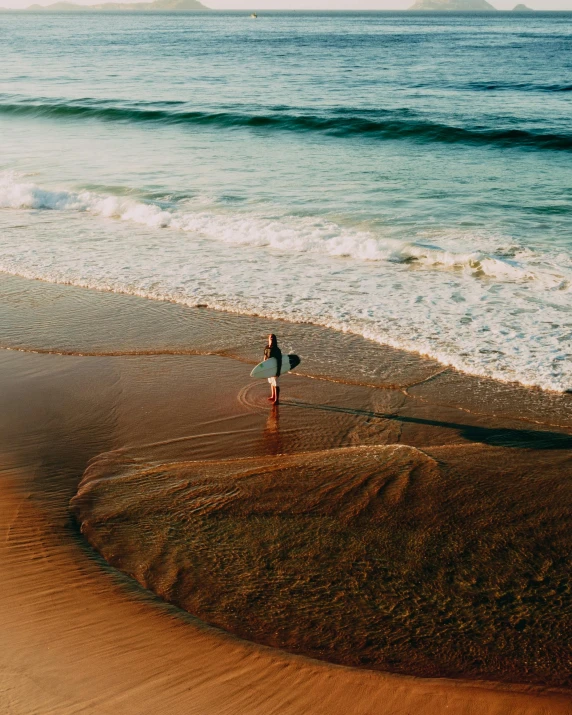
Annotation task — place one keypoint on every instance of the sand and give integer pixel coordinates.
(387, 557)
(80, 636)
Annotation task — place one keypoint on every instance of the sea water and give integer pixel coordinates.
(404, 177)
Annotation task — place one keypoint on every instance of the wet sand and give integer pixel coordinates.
(386, 557)
(82, 636)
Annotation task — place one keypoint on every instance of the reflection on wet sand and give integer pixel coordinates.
(271, 436)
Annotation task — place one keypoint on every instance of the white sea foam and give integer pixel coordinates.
(479, 303)
(312, 235)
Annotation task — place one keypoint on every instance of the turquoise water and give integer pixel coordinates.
(404, 177)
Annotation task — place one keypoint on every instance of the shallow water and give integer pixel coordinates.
(401, 177)
(43, 318)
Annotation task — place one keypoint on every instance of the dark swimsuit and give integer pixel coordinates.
(274, 352)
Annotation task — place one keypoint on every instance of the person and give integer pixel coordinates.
(273, 351)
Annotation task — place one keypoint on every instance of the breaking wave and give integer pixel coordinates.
(289, 233)
(381, 124)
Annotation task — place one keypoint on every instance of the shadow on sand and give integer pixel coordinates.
(494, 436)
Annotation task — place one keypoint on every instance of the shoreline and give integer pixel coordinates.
(446, 363)
(61, 412)
(122, 324)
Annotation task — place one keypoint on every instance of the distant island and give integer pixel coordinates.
(522, 8)
(453, 6)
(156, 6)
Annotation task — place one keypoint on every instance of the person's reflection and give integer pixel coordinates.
(271, 436)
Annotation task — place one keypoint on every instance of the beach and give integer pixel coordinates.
(389, 194)
(185, 481)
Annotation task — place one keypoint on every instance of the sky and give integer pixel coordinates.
(317, 4)
(368, 4)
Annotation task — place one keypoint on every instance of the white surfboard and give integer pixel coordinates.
(268, 368)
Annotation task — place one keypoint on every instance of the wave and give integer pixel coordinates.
(378, 124)
(515, 86)
(314, 235)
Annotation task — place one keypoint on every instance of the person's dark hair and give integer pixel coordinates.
(273, 341)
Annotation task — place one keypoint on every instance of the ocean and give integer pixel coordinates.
(399, 176)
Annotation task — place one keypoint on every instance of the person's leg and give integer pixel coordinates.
(272, 381)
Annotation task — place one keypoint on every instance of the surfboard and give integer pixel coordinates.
(268, 367)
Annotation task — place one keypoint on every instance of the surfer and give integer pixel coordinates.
(273, 351)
